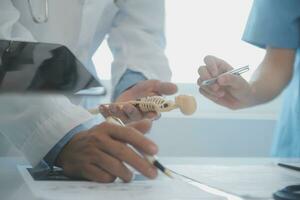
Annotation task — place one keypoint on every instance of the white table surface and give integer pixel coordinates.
(12, 185)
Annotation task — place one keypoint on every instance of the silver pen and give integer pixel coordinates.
(237, 71)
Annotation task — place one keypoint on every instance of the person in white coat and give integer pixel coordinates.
(50, 127)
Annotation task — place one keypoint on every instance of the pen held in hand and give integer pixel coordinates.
(152, 159)
(237, 71)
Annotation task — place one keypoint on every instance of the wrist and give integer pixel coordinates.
(63, 155)
(127, 81)
(253, 96)
(246, 96)
(52, 158)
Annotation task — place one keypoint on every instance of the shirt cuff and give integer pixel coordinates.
(52, 155)
(129, 79)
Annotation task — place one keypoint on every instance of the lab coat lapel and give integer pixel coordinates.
(96, 22)
(62, 26)
(10, 28)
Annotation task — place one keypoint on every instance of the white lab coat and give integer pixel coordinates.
(135, 30)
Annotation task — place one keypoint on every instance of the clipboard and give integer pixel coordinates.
(44, 67)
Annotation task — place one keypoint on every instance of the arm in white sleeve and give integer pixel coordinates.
(35, 123)
(137, 40)
(10, 28)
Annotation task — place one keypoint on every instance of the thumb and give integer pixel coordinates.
(231, 80)
(211, 63)
(143, 126)
(216, 66)
(165, 88)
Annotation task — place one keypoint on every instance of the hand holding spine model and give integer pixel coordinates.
(186, 104)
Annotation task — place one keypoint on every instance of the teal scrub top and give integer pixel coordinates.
(276, 23)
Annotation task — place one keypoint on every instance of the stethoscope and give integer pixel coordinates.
(291, 192)
(44, 19)
(39, 19)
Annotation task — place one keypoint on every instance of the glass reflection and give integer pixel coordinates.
(30, 66)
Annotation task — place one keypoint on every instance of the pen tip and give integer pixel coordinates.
(168, 173)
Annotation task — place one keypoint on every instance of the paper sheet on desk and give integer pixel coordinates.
(161, 189)
(253, 182)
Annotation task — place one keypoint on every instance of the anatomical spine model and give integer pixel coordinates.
(186, 104)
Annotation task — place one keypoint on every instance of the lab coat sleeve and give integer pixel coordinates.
(137, 40)
(52, 155)
(35, 123)
(10, 28)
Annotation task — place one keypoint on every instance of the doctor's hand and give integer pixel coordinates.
(145, 88)
(98, 154)
(230, 90)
